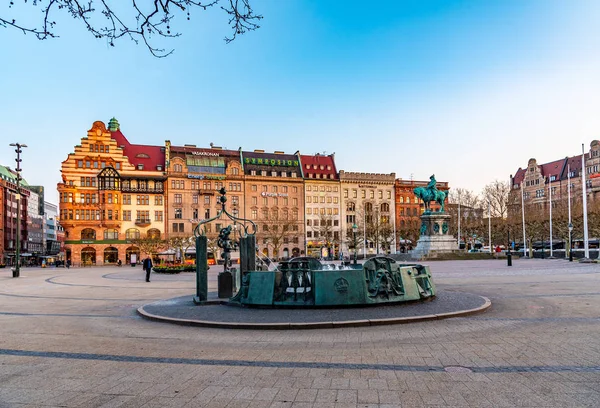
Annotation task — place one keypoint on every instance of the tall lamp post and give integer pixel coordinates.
(16, 271)
(570, 242)
(354, 231)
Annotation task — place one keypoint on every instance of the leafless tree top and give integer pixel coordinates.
(112, 19)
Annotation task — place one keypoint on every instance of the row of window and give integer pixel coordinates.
(321, 167)
(89, 234)
(99, 148)
(309, 234)
(363, 194)
(368, 207)
(274, 189)
(178, 199)
(274, 201)
(322, 199)
(329, 189)
(94, 164)
(264, 173)
(326, 223)
(178, 168)
(274, 214)
(323, 211)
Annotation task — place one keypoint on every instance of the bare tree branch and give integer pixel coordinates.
(151, 18)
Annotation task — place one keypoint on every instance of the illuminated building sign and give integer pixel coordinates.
(214, 154)
(365, 186)
(271, 162)
(265, 194)
(205, 177)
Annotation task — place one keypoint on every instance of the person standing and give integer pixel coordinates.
(147, 265)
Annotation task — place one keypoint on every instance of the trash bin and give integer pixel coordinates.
(225, 285)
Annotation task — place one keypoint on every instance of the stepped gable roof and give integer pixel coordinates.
(519, 176)
(554, 168)
(574, 164)
(149, 156)
(558, 168)
(323, 165)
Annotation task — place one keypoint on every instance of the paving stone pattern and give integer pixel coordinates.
(71, 338)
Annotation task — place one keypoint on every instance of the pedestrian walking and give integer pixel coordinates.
(147, 265)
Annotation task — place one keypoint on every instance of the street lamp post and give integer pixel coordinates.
(16, 271)
(354, 230)
(570, 242)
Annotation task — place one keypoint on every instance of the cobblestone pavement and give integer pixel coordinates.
(71, 338)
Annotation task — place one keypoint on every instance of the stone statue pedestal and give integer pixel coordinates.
(434, 237)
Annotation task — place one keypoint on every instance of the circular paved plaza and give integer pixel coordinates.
(72, 338)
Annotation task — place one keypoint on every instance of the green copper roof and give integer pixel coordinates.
(113, 125)
(9, 176)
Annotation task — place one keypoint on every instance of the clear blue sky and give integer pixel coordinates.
(468, 90)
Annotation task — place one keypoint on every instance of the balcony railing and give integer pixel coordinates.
(142, 221)
(128, 189)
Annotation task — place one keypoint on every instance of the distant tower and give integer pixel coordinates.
(113, 125)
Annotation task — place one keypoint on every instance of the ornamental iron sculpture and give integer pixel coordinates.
(244, 229)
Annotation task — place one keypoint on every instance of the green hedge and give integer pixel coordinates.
(174, 268)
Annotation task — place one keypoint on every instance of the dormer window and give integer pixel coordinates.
(159, 167)
(140, 167)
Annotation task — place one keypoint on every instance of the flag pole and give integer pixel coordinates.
(584, 199)
(550, 202)
(523, 216)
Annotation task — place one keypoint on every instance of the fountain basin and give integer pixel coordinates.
(380, 280)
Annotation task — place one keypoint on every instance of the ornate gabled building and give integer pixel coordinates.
(112, 192)
(195, 176)
(274, 200)
(368, 201)
(322, 200)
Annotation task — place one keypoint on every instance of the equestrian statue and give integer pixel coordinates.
(431, 193)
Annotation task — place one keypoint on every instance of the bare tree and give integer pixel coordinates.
(150, 245)
(471, 214)
(277, 232)
(139, 21)
(496, 194)
(181, 243)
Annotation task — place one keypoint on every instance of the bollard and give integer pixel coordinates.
(509, 258)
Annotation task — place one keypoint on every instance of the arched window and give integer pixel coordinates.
(88, 234)
(368, 207)
(385, 207)
(111, 234)
(132, 233)
(178, 168)
(153, 233)
(88, 256)
(401, 200)
(111, 255)
(351, 206)
(132, 251)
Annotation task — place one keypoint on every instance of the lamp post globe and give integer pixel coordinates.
(354, 230)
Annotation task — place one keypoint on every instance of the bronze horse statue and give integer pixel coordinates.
(428, 195)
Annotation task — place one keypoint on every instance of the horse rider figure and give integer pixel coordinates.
(432, 185)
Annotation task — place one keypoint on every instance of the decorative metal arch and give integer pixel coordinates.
(246, 226)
